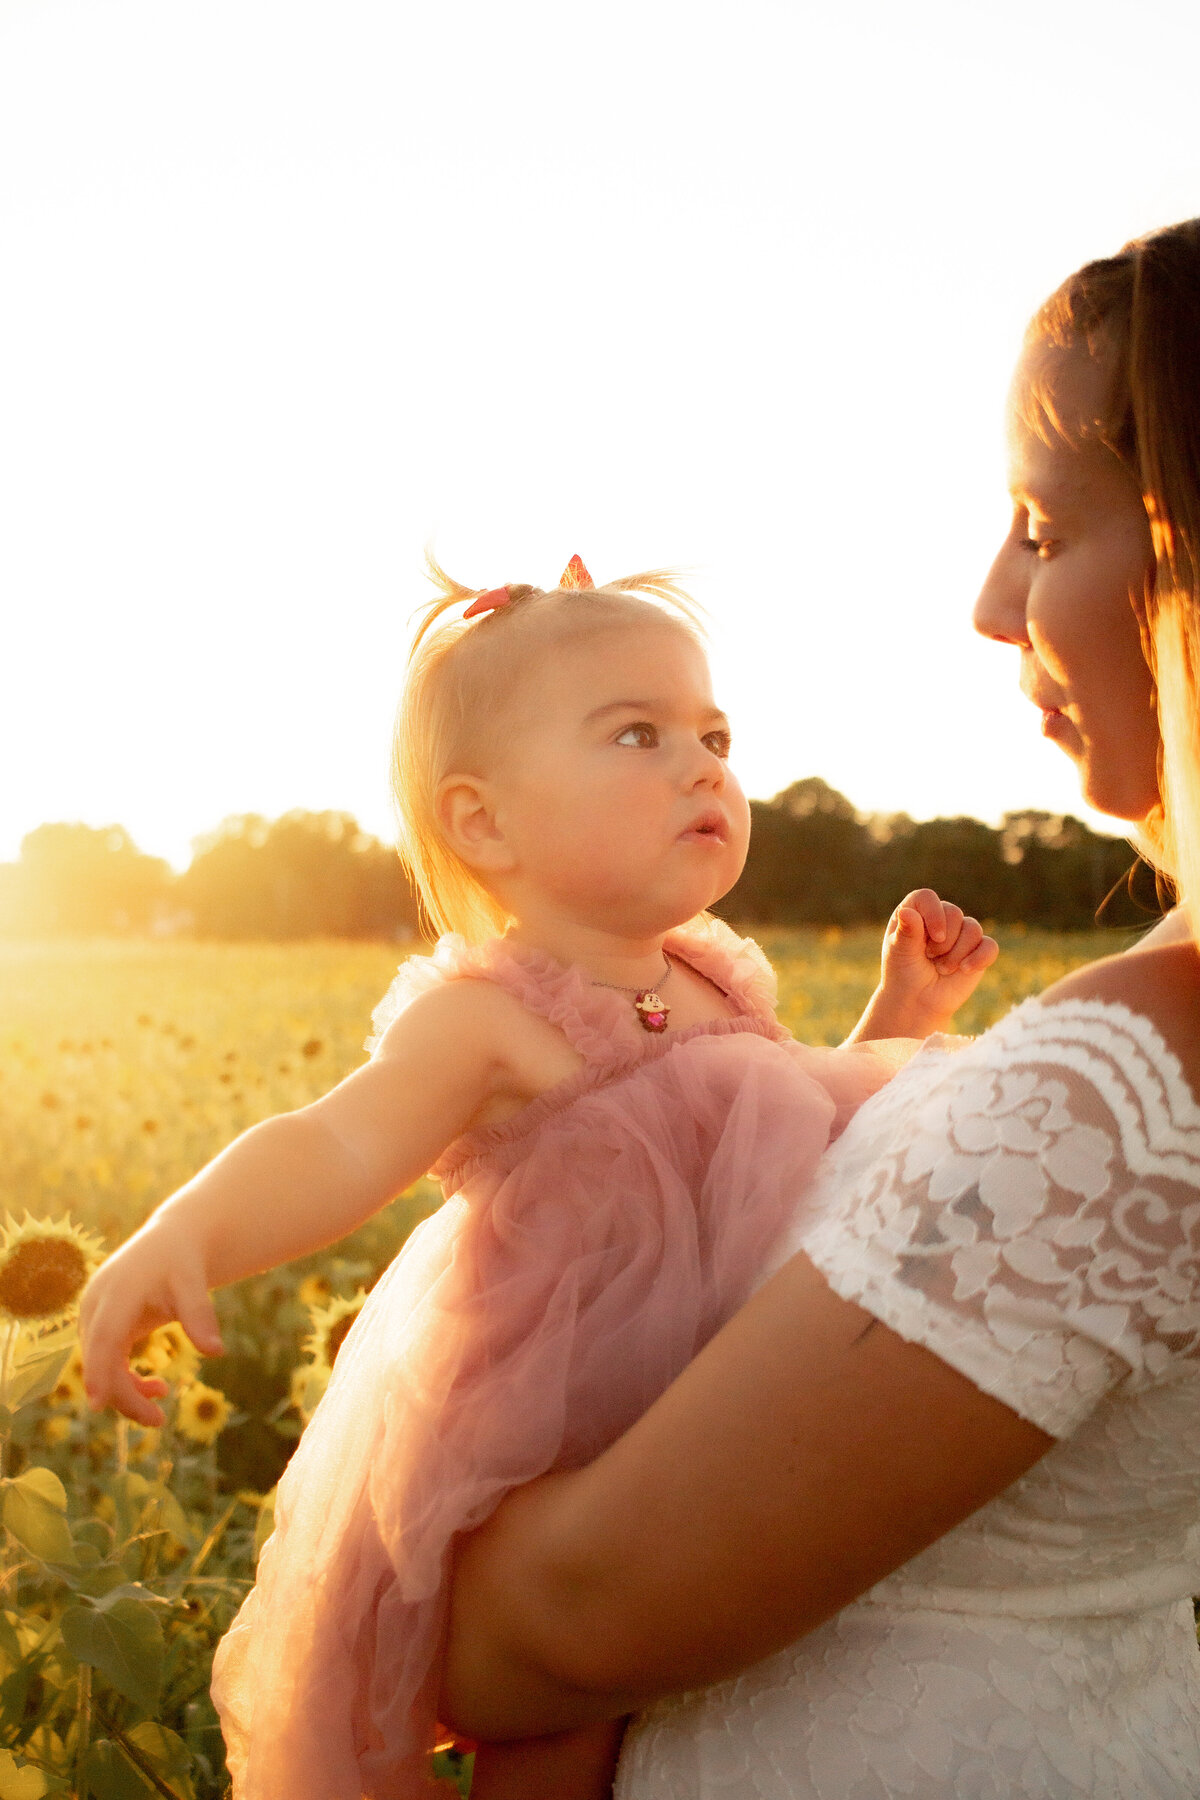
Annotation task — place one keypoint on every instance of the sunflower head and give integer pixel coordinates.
(44, 1268)
(69, 1390)
(202, 1413)
(330, 1323)
(167, 1351)
(314, 1291)
(308, 1384)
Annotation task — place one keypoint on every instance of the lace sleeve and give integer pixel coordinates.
(1028, 1208)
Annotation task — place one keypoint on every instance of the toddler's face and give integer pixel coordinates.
(615, 791)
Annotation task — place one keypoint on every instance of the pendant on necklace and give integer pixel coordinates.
(651, 1010)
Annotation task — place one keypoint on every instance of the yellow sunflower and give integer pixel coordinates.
(308, 1384)
(330, 1323)
(202, 1412)
(69, 1390)
(314, 1290)
(167, 1351)
(44, 1267)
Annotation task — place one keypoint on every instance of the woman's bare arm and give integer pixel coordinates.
(804, 1454)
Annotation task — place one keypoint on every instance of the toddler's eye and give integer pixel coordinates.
(719, 742)
(641, 736)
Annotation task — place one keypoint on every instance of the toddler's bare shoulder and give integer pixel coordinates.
(481, 1020)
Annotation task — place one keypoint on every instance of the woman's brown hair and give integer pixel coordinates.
(1139, 312)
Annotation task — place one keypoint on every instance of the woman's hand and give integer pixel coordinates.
(806, 1453)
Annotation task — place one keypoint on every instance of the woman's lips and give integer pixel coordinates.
(1055, 723)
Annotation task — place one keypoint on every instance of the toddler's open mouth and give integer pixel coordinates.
(709, 828)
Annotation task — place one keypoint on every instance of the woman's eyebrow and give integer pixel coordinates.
(1047, 490)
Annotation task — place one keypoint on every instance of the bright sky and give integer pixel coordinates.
(291, 286)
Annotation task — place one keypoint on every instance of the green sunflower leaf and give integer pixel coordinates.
(35, 1512)
(125, 1643)
(20, 1781)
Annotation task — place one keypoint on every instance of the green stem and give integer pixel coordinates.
(85, 1720)
(10, 1338)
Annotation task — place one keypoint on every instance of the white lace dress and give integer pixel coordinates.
(1029, 1208)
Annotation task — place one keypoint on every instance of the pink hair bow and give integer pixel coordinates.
(489, 602)
(575, 575)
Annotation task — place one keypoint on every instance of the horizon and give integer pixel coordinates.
(863, 815)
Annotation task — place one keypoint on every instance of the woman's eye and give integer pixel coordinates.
(639, 737)
(1040, 547)
(719, 742)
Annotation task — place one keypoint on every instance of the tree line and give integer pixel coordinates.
(814, 860)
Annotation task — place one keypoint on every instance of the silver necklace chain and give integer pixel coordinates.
(654, 988)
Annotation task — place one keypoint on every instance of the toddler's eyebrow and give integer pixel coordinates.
(649, 706)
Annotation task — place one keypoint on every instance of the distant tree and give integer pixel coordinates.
(299, 876)
(962, 858)
(83, 879)
(811, 861)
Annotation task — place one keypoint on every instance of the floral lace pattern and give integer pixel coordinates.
(1029, 1208)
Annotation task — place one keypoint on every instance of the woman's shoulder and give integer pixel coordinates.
(1148, 997)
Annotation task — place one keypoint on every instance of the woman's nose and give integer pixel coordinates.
(1000, 609)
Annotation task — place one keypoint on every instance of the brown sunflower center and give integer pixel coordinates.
(40, 1276)
(207, 1409)
(336, 1337)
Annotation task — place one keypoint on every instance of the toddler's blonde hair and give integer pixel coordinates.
(459, 707)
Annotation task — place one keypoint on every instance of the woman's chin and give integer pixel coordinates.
(1132, 802)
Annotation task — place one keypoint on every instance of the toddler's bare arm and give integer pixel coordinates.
(294, 1184)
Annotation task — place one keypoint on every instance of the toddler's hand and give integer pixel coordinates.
(932, 961)
(156, 1277)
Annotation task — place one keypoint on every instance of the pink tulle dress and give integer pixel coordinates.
(587, 1249)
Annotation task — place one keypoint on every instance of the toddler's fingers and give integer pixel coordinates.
(195, 1311)
(905, 943)
(967, 939)
(982, 957)
(930, 910)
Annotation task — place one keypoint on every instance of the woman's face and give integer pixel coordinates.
(1063, 589)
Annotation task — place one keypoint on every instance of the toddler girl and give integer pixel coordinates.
(593, 1068)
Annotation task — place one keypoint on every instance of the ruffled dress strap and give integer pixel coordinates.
(736, 965)
(595, 1020)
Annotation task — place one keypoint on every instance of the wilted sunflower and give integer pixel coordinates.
(44, 1266)
(202, 1412)
(330, 1324)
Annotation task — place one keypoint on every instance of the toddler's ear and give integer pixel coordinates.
(467, 818)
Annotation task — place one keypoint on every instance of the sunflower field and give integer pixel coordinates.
(124, 1066)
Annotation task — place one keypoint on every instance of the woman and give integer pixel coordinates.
(936, 1489)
